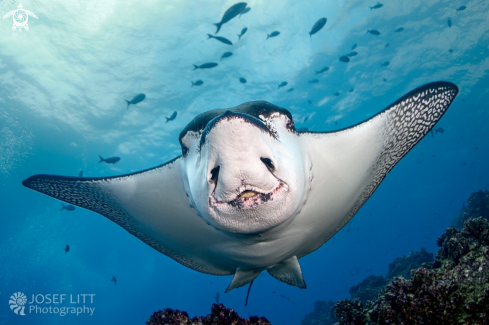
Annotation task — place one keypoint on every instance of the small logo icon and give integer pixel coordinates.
(20, 17)
(17, 303)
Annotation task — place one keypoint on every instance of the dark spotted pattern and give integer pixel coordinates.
(407, 121)
(91, 194)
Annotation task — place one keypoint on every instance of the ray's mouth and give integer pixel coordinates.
(249, 197)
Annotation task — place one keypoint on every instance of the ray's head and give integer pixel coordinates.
(244, 171)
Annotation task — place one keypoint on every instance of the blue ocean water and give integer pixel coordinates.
(62, 89)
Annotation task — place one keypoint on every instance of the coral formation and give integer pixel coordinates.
(452, 290)
(477, 206)
(369, 288)
(220, 315)
(323, 314)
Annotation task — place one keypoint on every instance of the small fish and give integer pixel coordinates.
(217, 297)
(336, 94)
(114, 280)
(348, 230)
(358, 228)
(67, 249)
(68, 207)
(207, 65)
(384, 80)
(247, 9)
(197, 83)
(386, 63)
(220, 39)
(351, 90)
(303, 129)
(137, 99)
(322, 70)
(400, 29)
(317, 26)
(439, 130)
(171, 118)
(354, 46)
(111, 160)
(232, 12)
(449, 22)
(344, 58)
(373, 31)
(282, 84)
(80, 174)
(290, 90)
(461, 8)
(309, 101)
(353, 53)
(450, 50)
(243, 31)
(386, 45)
(464, 164)
(313, 81)
(242, 80)
(226, 55)
(377, 6)
(273, 34)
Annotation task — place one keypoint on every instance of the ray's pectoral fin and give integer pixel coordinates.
(288, 271)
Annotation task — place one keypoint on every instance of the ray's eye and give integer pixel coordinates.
(215, 174)
(268, 163)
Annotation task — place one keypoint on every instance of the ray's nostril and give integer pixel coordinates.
(268, 163)
(215, 174)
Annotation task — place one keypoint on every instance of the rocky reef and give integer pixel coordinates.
(477, 206)
(452, 290)
(323, 314)
(220, 315)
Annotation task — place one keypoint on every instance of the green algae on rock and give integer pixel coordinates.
(452, 290)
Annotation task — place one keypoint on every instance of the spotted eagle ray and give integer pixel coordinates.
(249, 193)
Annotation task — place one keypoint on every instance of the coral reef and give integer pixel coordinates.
(323, 314)
(477, 206)
(220, 315)
(369, 288)
(452, 290)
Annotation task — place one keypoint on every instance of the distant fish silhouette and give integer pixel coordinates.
(207, 65)
(171, 118)
(242, 80)
(384, 80)
(67, 249)
(450, 50)
(217, 297)
(220, 39)
(351, 90)
(386, 45)
(273, 34)
(377, 6)
(400, 29)
(245, 10)
(352, 53)
(68, 207)
(336, 94)
(137, 99)
(317, 26)
(322, 70)
(373, 31)
(111, 160)
(197, 83)
(226, 55)
(290, 90)
(114, 280)
(232, 12)
(243, 31)
(313, 81)
(344, 58)
(282, 84)
(386, 63)
(449, 22)
(439, 130)
(80, 174)
(309, 101)
(461, 8)
(354, 46)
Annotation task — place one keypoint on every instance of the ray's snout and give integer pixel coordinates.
(240, 158)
